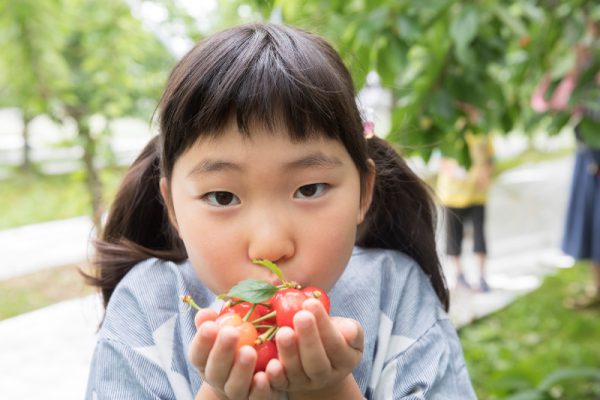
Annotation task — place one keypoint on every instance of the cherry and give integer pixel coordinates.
(265, 351)
(242, 308)
(249, 312)
(286, 303)
(319, 294)
(247, 331)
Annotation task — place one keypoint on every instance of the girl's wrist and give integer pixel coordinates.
(346, 389)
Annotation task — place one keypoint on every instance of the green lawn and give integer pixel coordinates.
(537, 339)
(40, 289)
(31, 198)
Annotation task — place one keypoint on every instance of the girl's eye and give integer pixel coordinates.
(311, 191)
(221, 199)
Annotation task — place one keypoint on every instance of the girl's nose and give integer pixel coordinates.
(271, 239)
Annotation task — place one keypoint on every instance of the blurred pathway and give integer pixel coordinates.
(46, 353)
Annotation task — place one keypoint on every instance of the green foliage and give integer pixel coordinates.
(75, 59)
(536, 348)
(29, 47)
(435, 54)
(113, 62)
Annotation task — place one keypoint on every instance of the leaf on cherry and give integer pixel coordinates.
(253, 291)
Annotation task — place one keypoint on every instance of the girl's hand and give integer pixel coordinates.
(318, 355)
(227, 373)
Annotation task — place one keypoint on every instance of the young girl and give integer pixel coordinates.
(261, 155)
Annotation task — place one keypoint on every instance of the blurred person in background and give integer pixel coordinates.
(463, 192)
(578, 93)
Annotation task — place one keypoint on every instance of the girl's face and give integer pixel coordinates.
(235, 199)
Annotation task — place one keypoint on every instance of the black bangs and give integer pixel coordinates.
(268, 75)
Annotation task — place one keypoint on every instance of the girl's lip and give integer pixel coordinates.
(275, 282)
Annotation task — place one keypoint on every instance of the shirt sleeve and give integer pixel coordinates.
(431, 368)
(119, 372)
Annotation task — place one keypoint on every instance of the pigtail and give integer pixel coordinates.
(402, 215)
(137, 226)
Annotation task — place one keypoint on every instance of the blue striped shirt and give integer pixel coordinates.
(411, 348)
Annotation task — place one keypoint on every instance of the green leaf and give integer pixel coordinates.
(513, 23)
(590, 132)
(253, 291)
(464, 28)
(271, 266)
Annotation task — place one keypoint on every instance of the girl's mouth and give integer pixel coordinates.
(274, 281)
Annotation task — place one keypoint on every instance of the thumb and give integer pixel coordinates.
(352, 332)
(204, 315)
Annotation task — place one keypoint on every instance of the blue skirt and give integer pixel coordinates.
(581, 238)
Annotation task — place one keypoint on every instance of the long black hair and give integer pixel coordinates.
(273, 75)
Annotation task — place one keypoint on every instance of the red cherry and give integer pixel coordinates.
(313, 292)
(265, 351)
(242, 309)
(286, 303)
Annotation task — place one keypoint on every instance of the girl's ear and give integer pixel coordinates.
(367, 194)
(168, 201)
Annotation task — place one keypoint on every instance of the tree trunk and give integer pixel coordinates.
(26, 154)
(93, 182)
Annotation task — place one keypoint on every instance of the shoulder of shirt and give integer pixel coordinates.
(393, 263)
(403, 291)
(148, 295)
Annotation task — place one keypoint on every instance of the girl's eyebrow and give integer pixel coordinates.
(210, 165)
(317, 159)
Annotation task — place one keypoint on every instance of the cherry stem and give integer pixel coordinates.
(188, 300)
(264, 317)
(250, 311)
(288, 285)
(268, 335)
(263, 326)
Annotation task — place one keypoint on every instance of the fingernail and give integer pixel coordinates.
(245, 355)
(302, 319)
(312, 305)
(285, 337)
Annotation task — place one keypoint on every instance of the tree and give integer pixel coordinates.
(438, 55)
(76, 59)
(114, 67)
(30, 43)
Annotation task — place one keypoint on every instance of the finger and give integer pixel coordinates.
(203, 316)
(342, 341)
(353, 342)
(315, 362)
(352, 332)
(221, 357)
(240, 377)
(260, 389)
(276, 375)
(201, 345)
(287, 349)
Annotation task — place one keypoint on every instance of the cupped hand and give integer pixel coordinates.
(318, 354)
(229, 372)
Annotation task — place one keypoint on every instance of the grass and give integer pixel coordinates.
(513, 351)
(39, 289)
(32, 198)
